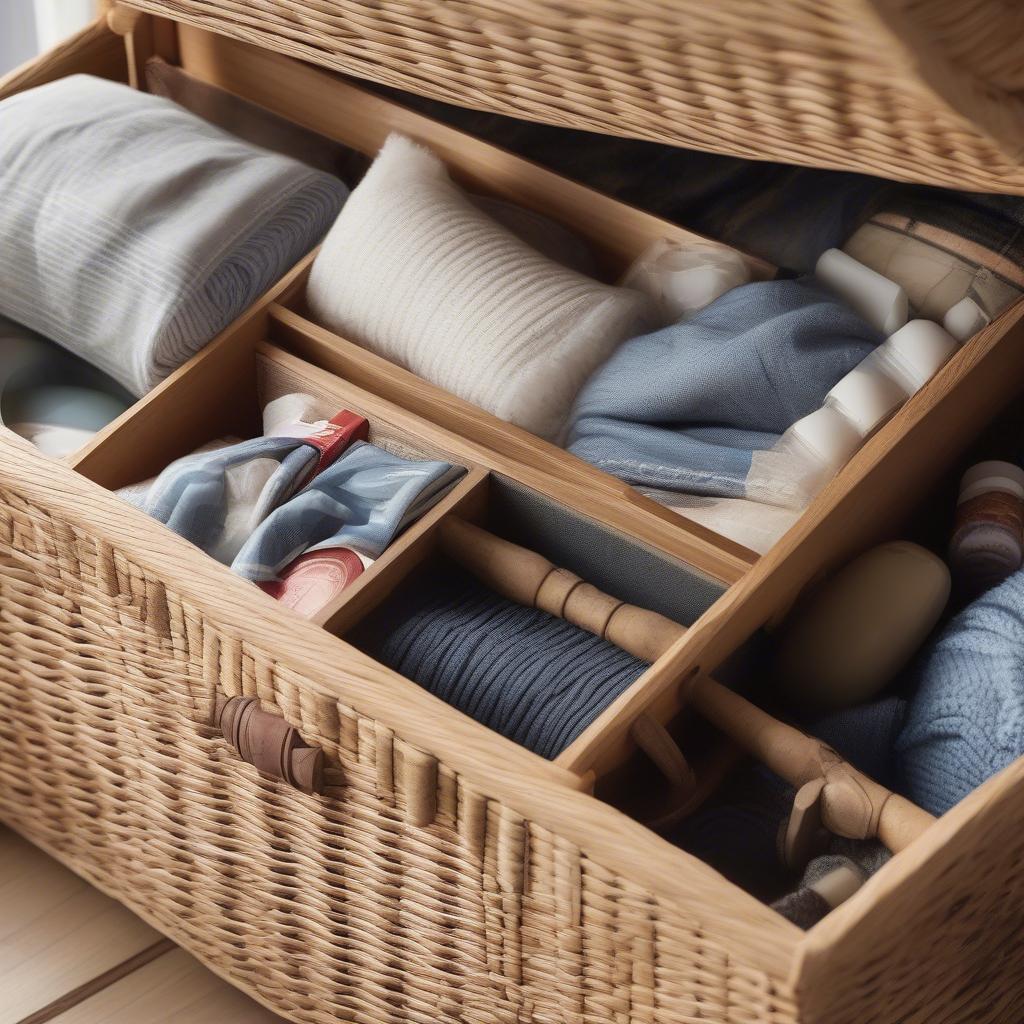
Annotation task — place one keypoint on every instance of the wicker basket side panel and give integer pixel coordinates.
(937, 935)
(344, 906)
(821, 84)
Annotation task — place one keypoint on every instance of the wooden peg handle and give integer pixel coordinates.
(852, 805)
(528, 578)
(651, 736)
(270, 744)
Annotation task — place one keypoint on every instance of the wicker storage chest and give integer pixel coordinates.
(444, 873)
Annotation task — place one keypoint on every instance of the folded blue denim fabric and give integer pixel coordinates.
(966, 719)
(684, 408)
(361, 502)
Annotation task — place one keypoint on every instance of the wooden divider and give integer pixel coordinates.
(279, 373)
(211, 395)
(515, 452)
(335, 107)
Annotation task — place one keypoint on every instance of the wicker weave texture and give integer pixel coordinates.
(325, 909)
(938, 939)
(888, 87)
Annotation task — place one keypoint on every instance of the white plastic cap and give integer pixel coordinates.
(881, 302)
(918, 351)
(992, 476)
(867, 396)
(965, 319)
(829, 434)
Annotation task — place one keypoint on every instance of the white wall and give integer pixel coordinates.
(28, 27)
(17, 33)
(57, 19)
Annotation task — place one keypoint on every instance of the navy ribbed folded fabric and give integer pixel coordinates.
(535, 679)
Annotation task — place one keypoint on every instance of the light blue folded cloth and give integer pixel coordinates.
(361, 502)
(215, 499)
(133, 231)
(683, 409)
(966, 719)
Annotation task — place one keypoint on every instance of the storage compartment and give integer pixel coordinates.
(616, 234)
(173, 422)
(543, 678)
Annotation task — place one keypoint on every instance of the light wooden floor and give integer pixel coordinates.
(70, 955)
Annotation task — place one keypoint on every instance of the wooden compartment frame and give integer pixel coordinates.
(215, 394)
(842, 520)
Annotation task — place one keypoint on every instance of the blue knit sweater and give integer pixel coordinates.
(966, 720)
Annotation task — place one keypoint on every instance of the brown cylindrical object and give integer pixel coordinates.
(852, 805)
(419, 776)
(270, 744)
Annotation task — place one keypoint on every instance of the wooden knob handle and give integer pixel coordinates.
(270, 744)
(121, 20)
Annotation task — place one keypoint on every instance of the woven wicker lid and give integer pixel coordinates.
(915, 90)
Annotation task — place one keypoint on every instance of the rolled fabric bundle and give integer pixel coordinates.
(830, 880)
(883, 303)
(966, 719)
(753, 524)
(133, 232)
(816, 447)
(216, 497)
(361, 502)
(943, 248)
(685, 408)
(51, 397)
(547, 236)
(415, 272)
(685, 277)
(535, 679)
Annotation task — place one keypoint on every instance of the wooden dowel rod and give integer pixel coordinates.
(853, 805)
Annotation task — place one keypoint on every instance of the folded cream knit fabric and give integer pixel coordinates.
(416, 272)
(132, 232)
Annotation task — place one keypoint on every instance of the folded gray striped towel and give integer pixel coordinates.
(132, 231)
